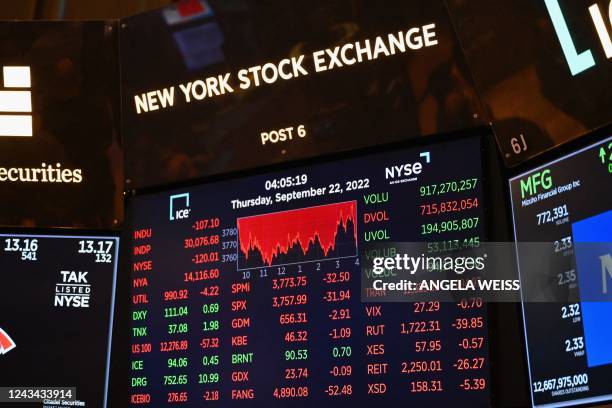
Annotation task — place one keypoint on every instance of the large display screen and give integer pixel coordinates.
(246, 291)
(56, 313)
(568, 203)
(541, 84)
(240, 86)
(61, 160)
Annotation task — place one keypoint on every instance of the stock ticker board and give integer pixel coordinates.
(56, 308)
(246, 291)
(568, 203)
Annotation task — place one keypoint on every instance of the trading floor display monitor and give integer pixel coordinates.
(245, 291)
(56, 313)
(567, 204)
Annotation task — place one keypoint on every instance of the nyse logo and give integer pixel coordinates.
(583, 60)
(73, 290)
(6, 343)
(16, 102)
(184, 211)
(606, 271)
(403, 171)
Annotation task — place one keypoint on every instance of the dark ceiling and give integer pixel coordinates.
(75, 9)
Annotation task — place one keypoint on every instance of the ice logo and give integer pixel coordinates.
(180, 214)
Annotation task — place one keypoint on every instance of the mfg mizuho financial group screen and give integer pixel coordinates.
(567, 203)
